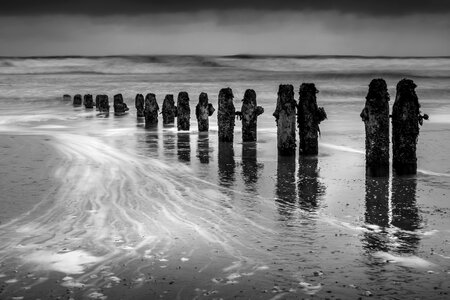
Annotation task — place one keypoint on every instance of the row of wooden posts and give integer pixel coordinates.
(289, 114)
(406, 118)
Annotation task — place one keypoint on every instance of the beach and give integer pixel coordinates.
(101, 207)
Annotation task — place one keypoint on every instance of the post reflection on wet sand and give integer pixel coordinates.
(203, 147)
(310, 189)
(226, 164)
(250, 166)
(285, 188)
(168, 140)
(152, 141)
(377, 212)
(184, 146)
(405, 213)
(397, 218)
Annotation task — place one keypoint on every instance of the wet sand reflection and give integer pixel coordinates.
(405, 213)
(310, 189)
(203, 147)
(184, 146)
(226, 164)
(396, 217)
(285, 188)
(250, 166)
(168, 140)
(377, 212)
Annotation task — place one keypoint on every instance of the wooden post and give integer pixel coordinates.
(88, 101)
(77, 100)
(406, 119)
(169, 110)
(103, 103)
(139, 103)
(249, 115)
(375, 116)
(203, 111)
(309, 118)
(97, 102)
(226, 115)
(285, 118)
(67, 98)
(151, 110)
(183, 111)
(120, 108)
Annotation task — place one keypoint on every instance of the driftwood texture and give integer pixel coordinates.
(203, 111)
(169, 110)
(406, 119)
(139, 103)
(285, 118)
(183, 111)
(226, 115)
(375, 116)
(151, 110)
(309, 117)
(249, 115)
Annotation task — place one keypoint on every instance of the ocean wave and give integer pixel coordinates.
(105, 65)
(312, 66)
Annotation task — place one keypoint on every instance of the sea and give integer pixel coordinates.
(96, 206)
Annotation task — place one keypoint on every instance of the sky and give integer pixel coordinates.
(227, 27)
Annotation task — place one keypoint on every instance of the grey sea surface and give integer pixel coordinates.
(100, 207)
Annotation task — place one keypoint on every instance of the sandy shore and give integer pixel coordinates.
(27, 165)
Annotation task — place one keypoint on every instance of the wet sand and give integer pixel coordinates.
(136, 213)
(144, 213)
(27, 163)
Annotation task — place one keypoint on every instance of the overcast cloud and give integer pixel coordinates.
(394, 28)
(107, 7)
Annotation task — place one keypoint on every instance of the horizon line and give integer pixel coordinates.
(238, 56)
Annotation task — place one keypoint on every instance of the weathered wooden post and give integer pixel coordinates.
(120, 107)
(77, 100)
(103, 103)
(406, 119)
(285, 118)
(88, 101)
(226, 115)
(67, 97)
(169, 110)
(309, 116)
(249, 115)
(151, 110)
(97, 102)
(203, 111)
(139, 103)
(183, 111)
(375, 116)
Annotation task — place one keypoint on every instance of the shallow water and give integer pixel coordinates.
(101, 207)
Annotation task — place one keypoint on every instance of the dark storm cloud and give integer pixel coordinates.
(130, 7)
